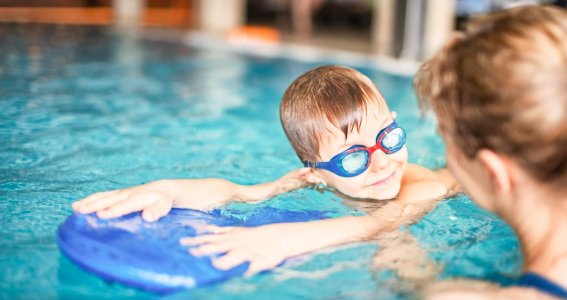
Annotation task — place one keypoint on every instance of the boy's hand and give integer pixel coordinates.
(293, 180)
(152, 199)
(265, 247)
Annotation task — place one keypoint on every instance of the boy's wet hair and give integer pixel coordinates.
(335, 94)
(502, 85)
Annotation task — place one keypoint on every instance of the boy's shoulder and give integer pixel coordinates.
(417, 172)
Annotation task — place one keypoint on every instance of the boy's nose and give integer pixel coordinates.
(379, 160)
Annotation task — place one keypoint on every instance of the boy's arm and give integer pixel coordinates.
(265, 247)
(421, 191)
(289, 182)
(207, 194)
(156, 199)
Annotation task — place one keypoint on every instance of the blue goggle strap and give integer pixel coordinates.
(319, 165)
(329, 166)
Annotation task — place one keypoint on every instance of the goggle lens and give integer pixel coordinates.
(394, 140)
(353, 162)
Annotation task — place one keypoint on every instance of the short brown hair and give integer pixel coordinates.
(502, 85)
(336, 94)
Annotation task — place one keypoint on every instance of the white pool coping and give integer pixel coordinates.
(305, 53)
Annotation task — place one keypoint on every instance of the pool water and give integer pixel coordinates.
(85, 109)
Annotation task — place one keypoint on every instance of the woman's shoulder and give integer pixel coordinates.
(475, 289)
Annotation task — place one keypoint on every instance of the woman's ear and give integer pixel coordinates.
(498, 168)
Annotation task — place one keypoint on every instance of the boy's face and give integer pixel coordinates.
(383, 177)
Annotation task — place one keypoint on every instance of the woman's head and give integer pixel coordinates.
(330, 109)
(502, 85)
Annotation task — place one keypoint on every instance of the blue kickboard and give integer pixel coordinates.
(148, 255)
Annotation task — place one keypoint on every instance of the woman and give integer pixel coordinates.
(500, 93)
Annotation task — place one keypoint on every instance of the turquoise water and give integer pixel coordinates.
(83, 109)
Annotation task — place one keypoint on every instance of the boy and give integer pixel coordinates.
(342, 130)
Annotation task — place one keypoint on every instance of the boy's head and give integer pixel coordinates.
(502, 86)
(328, 110)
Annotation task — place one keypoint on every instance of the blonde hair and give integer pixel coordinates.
(502, 85)
(336, 94)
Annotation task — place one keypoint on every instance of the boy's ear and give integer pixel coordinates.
(498, 168)
(394, 114)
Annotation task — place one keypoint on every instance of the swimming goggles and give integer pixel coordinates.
(355, 160)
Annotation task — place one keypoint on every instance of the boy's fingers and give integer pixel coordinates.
(103, 202)
(218, 229)
(131, 204)
(230, 260)
(85, 201)
(256, 267)
(159, 209)
(212, 248)
(201, 239)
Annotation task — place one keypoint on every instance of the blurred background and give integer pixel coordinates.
(104, 94)
(399, 29)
